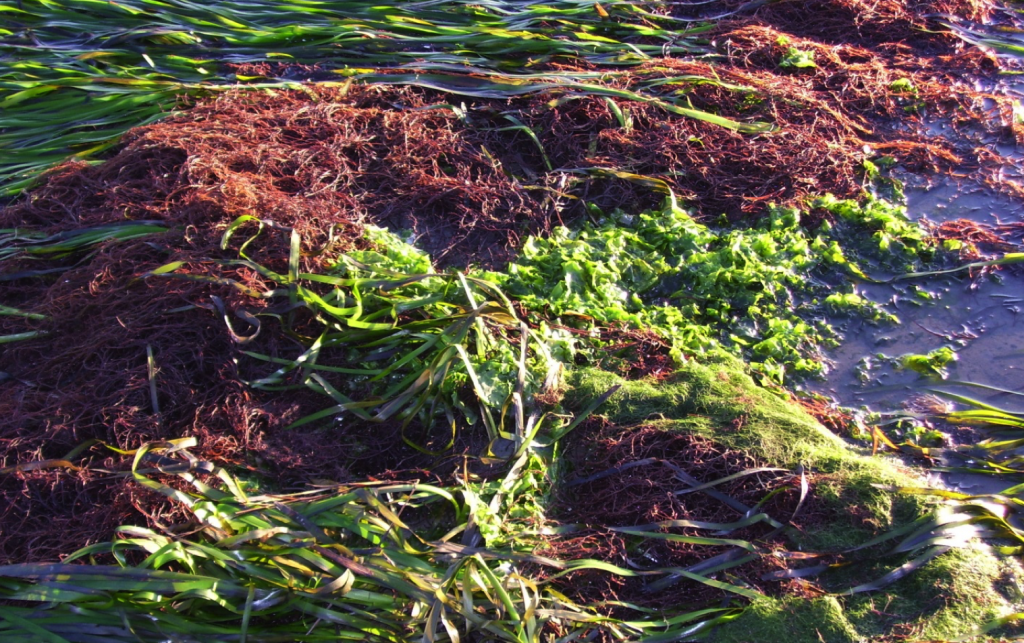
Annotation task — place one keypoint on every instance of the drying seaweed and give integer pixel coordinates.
(198, 317)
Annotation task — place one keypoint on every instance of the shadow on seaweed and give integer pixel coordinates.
(631, 477)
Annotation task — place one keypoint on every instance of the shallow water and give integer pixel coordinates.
(948, 201)
(982, 319)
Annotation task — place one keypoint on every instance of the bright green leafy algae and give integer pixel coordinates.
(763, 292)
(895, 243)
(797, 59)
(933, 363)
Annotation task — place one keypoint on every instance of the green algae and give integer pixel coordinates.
(949, 597)
(791, 619)
(894, 241)
(767, 293)
(709, 399)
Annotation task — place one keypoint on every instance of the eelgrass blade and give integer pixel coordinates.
(991, 625)
(21, 243)
(20, 337)
(899, 572)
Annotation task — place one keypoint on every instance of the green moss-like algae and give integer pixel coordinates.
(718, 400)
(947, 598)
(791, 619)
(944, 600)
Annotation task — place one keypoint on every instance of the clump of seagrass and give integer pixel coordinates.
(401, 341)
(374, 559)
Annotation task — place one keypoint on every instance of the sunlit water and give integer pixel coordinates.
(982, 319)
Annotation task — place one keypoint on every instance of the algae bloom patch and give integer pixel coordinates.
(768, 293)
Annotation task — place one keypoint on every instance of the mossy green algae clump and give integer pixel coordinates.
(949, 597)
(945, 600)
(709, 398)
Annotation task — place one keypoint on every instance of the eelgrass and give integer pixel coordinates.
(370, 561)
(409, 340)
(999, 454)
(962, 519)
(77, 74)
(987, 521)
(998, 38)
(21, 243)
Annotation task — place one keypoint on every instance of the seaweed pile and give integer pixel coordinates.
(143, 273)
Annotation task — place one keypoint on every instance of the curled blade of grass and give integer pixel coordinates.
(998, 454)
(170, 271)
(987, 387)
(693, 540)
(670, 575)
(978, 404)
(245, 316)
(558, 434)
(518, 125)
(891, 535)
(39, 465)
(506, 87)
(961, 520)
(804, 572)
(622, 116)
(656, 184)
(728, 587)
(697, 524)
(728, 478)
